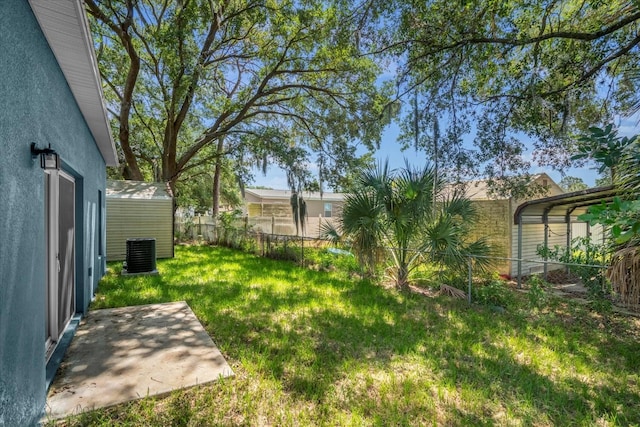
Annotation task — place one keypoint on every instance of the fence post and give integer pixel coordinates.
(470, 277)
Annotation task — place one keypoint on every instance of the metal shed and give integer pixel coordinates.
(138, 210)
(494, 222)
(537, 219)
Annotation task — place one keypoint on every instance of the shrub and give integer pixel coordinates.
(537, 295)
(493, 292)
(584, 257)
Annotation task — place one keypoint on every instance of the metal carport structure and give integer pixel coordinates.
(560, 209)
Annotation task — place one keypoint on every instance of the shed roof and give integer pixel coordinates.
(557, 209)
(138, 190)
(66, 29)
(286, 195)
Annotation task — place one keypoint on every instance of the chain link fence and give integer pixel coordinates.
(204, 227)
(263, 237)
(248, 234)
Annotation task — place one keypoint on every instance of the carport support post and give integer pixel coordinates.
(567, 219)
(519, 251)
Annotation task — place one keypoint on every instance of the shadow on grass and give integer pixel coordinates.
(308, 330)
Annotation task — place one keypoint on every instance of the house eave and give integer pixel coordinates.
(284, 195)
(65, 26)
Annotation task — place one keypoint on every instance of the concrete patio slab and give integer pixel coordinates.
(127, 353)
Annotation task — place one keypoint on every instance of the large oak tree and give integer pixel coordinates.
(255, 80)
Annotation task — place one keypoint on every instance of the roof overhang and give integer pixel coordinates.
(285, 195)
(563, 207)
(66, 29)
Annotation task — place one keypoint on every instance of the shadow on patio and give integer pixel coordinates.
(128, 353)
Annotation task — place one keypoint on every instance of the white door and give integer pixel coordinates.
(60, 258)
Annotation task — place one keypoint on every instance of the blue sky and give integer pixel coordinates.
(390, 149)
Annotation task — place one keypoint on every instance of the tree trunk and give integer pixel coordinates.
(216, 179)
(402, 281)
(132, 170)
(170, 169)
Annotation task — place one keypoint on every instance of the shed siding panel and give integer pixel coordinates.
(532, 236)
(598, 234)
(133, 218)
(578, 229)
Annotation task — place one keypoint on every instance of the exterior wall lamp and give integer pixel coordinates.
(49, 159)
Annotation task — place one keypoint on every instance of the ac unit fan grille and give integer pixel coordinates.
(141, 255)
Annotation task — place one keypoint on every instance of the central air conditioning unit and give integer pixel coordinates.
(141, 256)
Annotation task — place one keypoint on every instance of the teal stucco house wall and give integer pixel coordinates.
(52, 224)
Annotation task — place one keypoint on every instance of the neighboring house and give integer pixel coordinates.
(52, 222)
(138, 210)
(495, 223)
(267, 207)
(270, 211)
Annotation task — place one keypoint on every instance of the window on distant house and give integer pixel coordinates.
(327, 210)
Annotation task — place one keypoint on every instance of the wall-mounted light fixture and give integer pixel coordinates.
(49, 159)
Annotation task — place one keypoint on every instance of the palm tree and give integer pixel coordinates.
(408, 213)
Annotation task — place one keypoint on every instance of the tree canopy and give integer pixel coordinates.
(277, 79)
(506, 73)
(282, 82)
(572, 183)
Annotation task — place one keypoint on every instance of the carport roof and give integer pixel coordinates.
(560, 208)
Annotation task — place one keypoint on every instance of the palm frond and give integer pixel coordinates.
(407, 212)
(331, 232)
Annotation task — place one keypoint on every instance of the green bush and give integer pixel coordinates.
(588, 256)
(537, 295)
(286, 252)
(493, 292)
(324, 259)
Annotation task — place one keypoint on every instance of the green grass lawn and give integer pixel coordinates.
(318, 348)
